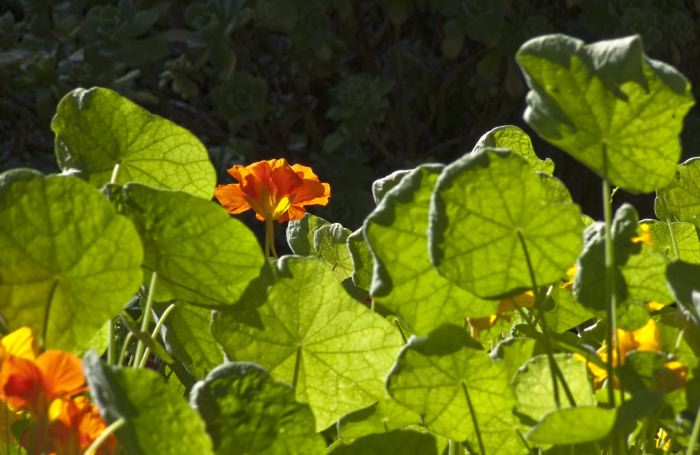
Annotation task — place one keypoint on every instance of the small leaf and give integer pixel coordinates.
(513, 138)
(157, 420)
(330, 242)
(69, 262)
(97, 129)
(485, 207)
(608, 105)
(247, 412)
(312, 334)
(300, 234)
(201, 254)
(362, 260)
(451, 382)
(405, 442)
(573, 426)
(382, 186)
(404, 280)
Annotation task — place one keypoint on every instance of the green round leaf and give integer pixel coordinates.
(515, 139)
(405, 442)
(451, 382)
(573, 426)
(69, 262)
(608, 105)
(97, 129)
(405, 280)
(201, 254)
(310, 332)
(247, 412)
(157, 419)
(681, 198)
(490, 212)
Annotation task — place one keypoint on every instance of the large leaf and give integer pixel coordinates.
(573, 426)
(681, 199)
(69, 262)
(157, 419)
(535, 391)
(187, 337)
(312, 334)
(490, 213)
(404, 279)
(97, 129)
(685, 236)
(608, 105)
(201, 254)
(247, 412)
(513, 138)
(452, 383)
(383, 416)
(405, 442)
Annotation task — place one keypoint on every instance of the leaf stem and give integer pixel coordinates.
(611, 335)
(297, 364)
(125, 347)
(694, 434)
(111, 348)
(154, 335)
(146, 317)
(676, 255)
(106, 433)
(270, 238)
(472, 413)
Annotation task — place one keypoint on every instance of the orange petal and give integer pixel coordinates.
(312, 192)
(304, 172)
(62, 373)
(20, 343)
(232, 198)
(20, 383)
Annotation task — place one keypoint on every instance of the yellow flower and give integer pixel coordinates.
(478, 325)
(644, 237)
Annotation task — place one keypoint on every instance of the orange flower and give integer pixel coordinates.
(478, 325)
(19, 343)
(33, 385)
(274, 189)
(75, 425)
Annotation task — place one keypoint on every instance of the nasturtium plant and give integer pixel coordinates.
(362, 261)
(156, 419)
(460, 392)
(246, 411)
(107, 138)
(681, 198)
(313, 335)
(513, 138)
(406, 442)
(573, 426)
(383, 416)
(69, 261)
(492, 228)
(608, 105)
(330, 242)
(200, 254)
(404, 280)
(300, 234)
(676, 240)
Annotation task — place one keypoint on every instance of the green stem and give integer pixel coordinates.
(611, 335)
(146, 317)
(125, 347)
(694, 434)
(270, 238)
(155, 333)
(297, 364)
(111, 349)
(472, 413)
(676, 256)
(453, 447)
(106, 433)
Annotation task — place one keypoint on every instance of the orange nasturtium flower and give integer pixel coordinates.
(75, 425)
(478, 325)
(274, 189)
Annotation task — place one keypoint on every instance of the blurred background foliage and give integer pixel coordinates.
(354, 88)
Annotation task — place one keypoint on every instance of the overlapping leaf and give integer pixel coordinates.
(247, 412)
(157, 420)
(404, 279)
(457, 388)
(97, 129)
(312, 334)
(685, 237)
(573, 426)
(201, 254)
(681, 198)
(515, 139)
(383, 416)
(405, 442)
(608, 105)
(69, 262)
(490, 215)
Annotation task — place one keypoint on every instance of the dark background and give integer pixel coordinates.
(355, 89)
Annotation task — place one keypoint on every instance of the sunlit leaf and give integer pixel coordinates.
(300, 234)
(684, 281)
(608, 105)
(312, 334)
(404, 280)
(362, 261)
(405, 442)
(451, 382)
(681, 198)
(490, 215)
(247, 412)
(97, 129)
(201, 254)
(69, 262)
(157, 420)
(383, 416)
(513, 138)
(330, 242)
(685, 237)
(573, 426)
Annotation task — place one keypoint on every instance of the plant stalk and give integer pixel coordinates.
(146, 317)
(611, 335)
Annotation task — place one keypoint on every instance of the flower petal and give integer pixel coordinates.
(19, 343)
(62, 373)
(232, 198)
(20, 383)
(312, 192)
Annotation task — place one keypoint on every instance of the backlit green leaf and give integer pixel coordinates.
(573, 426)
(362, 261)
(383, 416)
(513, 138)
(383, 185)
(404, 280)
(300, 234)
(681, 198)
(69, 262)
(405, 442)
(201, 254)
(312, 334)
(97, 129)
(488, 209)
(330, 242)
(451, 382)
(684, 282)
(685, 237)
(157, 420)
(247, 412)
(608, 105)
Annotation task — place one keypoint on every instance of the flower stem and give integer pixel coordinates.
(690, 449)
(270, 238)
(155, 333)
(106, 433)
(111, 349)
(611, 336)
(146, 318)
